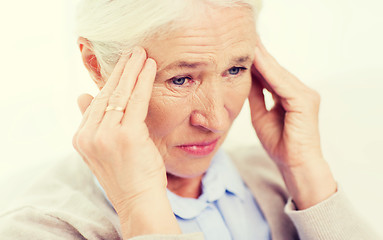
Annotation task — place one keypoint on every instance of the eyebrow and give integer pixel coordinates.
(185, 64)
(193, 65)
(241, 60)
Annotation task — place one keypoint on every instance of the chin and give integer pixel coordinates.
(187, 167)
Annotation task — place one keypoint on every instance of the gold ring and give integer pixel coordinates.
(114, 108)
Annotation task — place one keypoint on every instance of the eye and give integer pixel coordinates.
(236, 70)
(180, 81)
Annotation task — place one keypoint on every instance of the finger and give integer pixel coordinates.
(261, 81)
(123, 91)
(138, 104)
(261, 117)
(83, 102)
(257, 101)
(278, 79)
(97, 107)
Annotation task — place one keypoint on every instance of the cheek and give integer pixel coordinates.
(165, 114)
(168, 113)
(236, 94)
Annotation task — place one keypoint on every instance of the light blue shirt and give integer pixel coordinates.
(226, 208)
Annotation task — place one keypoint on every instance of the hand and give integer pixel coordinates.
(289, 131)
(117, 148)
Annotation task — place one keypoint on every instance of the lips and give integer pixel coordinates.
(199, 149)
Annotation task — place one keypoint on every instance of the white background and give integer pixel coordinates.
(333, 46)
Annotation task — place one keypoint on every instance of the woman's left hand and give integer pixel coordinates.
(289, 131)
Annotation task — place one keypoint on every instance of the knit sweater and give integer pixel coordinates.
(65, 203)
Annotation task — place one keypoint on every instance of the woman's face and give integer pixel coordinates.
(202, 81)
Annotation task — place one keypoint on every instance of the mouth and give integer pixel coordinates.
(199, 148)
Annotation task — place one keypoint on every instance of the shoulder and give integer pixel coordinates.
(252, 155)
(255, 166)
(62, 201)
(266, 184)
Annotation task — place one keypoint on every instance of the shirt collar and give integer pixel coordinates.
(220, 179)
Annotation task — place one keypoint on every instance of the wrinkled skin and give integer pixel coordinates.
(205, 107)
(134, 153)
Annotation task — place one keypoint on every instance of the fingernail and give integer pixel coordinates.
(126, 54)
(258, 51)
(137, 50)
(152, 62)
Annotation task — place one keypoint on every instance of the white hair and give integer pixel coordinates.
(113, 26)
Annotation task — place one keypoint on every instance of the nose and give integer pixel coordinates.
(210, 112)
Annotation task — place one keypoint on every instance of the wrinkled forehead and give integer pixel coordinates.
(214, 36)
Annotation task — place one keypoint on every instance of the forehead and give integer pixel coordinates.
(214, 36)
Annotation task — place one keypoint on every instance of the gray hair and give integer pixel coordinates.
(113, 26)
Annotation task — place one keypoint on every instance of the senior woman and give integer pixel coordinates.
(173, 76)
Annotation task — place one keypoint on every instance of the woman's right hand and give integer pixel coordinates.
(117, 148)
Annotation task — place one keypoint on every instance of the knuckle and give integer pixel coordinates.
(102, 141)
(310, 96)
(285, 76)
(101, 97)
(137, 98)
(128, 136)
(314, 96)
(82, 140)
(98, 102)
(117, 97)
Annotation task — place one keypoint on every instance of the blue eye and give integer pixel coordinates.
(236, 70)
(179, 81)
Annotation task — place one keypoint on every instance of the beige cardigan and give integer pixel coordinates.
(64, 203)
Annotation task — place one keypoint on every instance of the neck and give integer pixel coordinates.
(185, 187)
